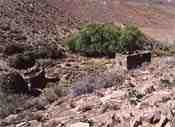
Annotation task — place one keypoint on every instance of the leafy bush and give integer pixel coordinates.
(131, 39)
(134, 96)
(47, 51)
(106, 40)
(21, 61)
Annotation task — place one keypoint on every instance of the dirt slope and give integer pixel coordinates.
(154, 16)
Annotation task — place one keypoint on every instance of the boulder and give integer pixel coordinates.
(152, 117)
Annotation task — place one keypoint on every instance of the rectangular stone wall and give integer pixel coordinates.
(137, 59)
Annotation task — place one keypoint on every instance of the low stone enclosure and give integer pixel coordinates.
(28, 81)
(133, 60)
(137, 59)
(35, 78)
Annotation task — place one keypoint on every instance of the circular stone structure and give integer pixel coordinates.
(35, 77)
(21, 61)
(12, 82)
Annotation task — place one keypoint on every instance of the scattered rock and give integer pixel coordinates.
(168, 125)
(173, 122)
(156, 117)
(152, 117)
(109, 106)
(136, 123)
(10, 119)
(52, 123)
(23, 124)
(38, 116)
(45, 62)
(114, 121)
(163, 121)
(83, 86)
(80, 124)
(90, 83)
(147, 89)
(34, 123)
(85, 108)
(4, 66)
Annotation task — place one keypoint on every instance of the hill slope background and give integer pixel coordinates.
(156, 18)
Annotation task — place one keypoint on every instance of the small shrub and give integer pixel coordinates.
(47, 52)
(131, 39)
(165, 83)
(79, 88)
(134, 96)
(54, 91)
(13, 49)
(21, 61)
(90, 83)
(106, 40)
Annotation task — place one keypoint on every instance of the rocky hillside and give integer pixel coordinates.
(156, 17)
(144, 97)
(43, 84)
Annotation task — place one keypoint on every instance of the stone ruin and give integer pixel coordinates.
(133, 61)
(137, 59)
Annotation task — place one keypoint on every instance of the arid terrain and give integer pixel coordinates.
(81, 91)
(156, 17)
